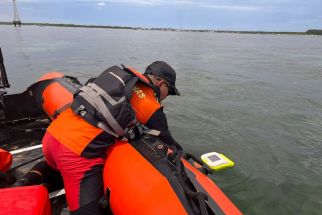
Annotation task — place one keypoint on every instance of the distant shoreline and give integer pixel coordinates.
(308, 32)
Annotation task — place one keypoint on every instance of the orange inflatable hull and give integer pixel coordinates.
(57, 95)
(134, 185)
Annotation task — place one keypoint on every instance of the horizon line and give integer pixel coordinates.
(157, 28)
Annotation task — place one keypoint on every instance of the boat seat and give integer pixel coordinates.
(27, 200)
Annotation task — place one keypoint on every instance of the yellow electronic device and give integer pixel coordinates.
(217, 161)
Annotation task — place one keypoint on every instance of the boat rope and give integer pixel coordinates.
(197, 197)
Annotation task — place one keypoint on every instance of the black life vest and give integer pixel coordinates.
(105, 101)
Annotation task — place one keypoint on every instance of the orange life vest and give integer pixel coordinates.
(144, 102)
(77, 134)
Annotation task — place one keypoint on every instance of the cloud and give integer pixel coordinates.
(234, 7)
(192, 3)
(133, 2)
(225, 5)
(101, 4)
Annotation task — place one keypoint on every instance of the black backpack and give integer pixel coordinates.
(105, 101)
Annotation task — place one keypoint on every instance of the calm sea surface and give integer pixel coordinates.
(255, 98)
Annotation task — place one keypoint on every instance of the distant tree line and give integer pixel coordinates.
(314, 32)
(308, 32)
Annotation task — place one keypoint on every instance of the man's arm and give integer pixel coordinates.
(158, 121)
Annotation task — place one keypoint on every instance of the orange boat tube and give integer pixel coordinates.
(139, 178)
(56, 93)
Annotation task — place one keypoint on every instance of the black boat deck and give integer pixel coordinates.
(20, 135)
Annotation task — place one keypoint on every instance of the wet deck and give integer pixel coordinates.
(21, 135)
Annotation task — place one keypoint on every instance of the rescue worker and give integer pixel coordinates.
(77, 149)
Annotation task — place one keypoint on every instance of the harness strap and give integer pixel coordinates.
(83, 113)
(106, 129)
(71, 87)
(96, 101)
(104, 94)
(60, 110)
(152, 132)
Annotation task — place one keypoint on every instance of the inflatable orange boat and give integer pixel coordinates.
(144, 176)
(141, 177)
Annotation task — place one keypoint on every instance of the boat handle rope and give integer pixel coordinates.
(200, 197)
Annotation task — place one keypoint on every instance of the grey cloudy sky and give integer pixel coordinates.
(269, 15)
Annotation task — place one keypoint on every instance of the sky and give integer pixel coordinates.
(255, 15)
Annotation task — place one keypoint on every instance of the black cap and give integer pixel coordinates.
(163, 70)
